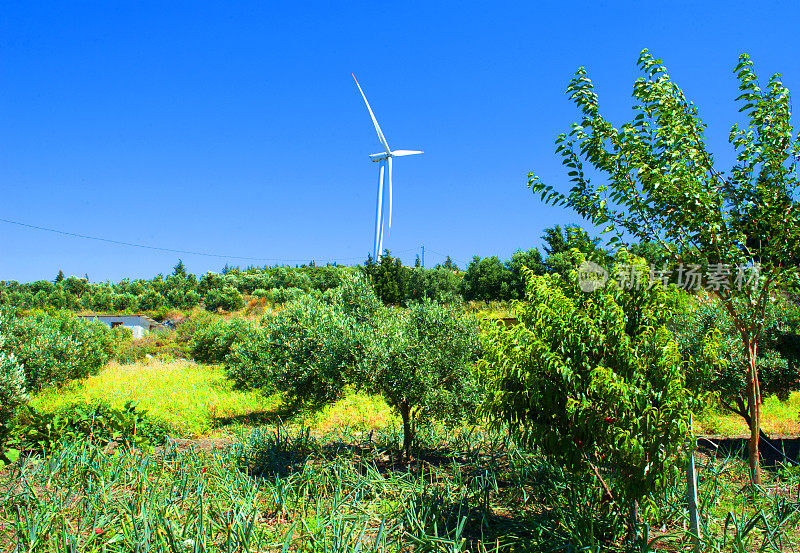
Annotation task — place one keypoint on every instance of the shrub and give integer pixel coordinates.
(316, 347)
(56, 348)
(595, 379)
(101, 423)
(250, 363)
(12, 391)
(227, 299)
(439, 284)
(212, 343)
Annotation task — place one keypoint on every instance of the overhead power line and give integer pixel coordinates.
(161, 249)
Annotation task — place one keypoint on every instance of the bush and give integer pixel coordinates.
(101, 423)
(212, 343)
(249, 363)
(312, 347)
(439, 285)
(12, 392)
(227, 299)
(596, 380)
(315, 348)
(56, 348)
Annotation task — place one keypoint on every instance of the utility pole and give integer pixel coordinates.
(691, 491)
(423, 256)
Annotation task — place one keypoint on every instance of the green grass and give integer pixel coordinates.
(199, 401)
(191, 397)
(778, 418)
(466, 490)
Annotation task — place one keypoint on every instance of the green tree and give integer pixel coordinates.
(558, 242)
(227, 299)
(487, 279)
(59, 276)
(664, 186)
(778, 349)
(179, 269)
(595, 379)
(389, 278)
(422, 362)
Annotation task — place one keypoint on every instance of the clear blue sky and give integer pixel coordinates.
(235, 128)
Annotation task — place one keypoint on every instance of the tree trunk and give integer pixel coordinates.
(754, 406)
(408, 431)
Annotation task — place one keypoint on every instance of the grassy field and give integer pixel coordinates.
(292, 491)
(779, 418)
(199, 401)
(332, 481)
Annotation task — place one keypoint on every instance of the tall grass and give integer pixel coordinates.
(189, 396)
(279, 490)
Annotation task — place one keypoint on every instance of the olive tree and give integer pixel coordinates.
(662, 185)
(423, 363)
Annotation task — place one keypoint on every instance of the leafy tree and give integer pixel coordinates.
(389, 278)
(227, 299)
(595, 379)
(59, 276)
(56, 348)
(213, 342)
(557, 245)
(448, 264)
(487, 279)
(437, 284)
(423, 363)
(664, 186)
(179, 269)
(531, 259)
(778, 350)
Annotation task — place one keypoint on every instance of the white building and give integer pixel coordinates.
(139, 325)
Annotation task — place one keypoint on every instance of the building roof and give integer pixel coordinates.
(117, 316)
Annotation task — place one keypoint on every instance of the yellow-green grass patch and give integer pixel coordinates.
(192, 397)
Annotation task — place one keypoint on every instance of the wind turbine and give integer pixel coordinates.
(385, 160)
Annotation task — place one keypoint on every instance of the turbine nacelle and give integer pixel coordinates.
(396, 153)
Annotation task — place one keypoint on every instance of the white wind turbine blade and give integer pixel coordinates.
(374, 121)
(398, 153)
(379, 217)
(389, 162)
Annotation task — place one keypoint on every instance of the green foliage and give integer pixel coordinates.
(778, 349)
(438, 284)
(489, 279)
(663, 186)
(595, 379)
(227, 299)
(56, 348)
(389, 278)
(422, 362)
(12, 390)
(250, 361)
(317, 348)
(212, 343)
(103, 424)
(267, 452)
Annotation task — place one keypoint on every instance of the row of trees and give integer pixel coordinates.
(318, 347)
(485, 279)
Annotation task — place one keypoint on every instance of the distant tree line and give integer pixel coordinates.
(484, 279)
